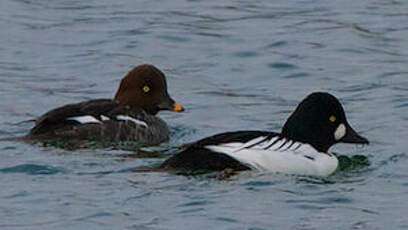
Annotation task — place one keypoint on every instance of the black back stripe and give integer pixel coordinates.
(290, 146)
(273, 143)
(283, 144)
(297, 147)
(257, 143)
(280, 144)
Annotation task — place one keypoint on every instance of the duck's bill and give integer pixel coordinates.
(171, 105)
(353, 138)
(177, 107)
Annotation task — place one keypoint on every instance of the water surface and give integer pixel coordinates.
(233, 65)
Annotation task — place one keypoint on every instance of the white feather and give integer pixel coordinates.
(128, 118)
(104, 118)
(84, 119)
(301, 159)
(340, 132)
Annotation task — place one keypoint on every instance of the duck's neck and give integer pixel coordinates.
(308, 136)
(148, 109)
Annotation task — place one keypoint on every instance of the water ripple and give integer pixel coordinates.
(281, 65)
(277, 44)
(33, 169)
(236, 65)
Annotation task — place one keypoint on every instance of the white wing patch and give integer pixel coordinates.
(84, 119)
(90, 119)
(279, 155)
(128, 118)
(104, 118)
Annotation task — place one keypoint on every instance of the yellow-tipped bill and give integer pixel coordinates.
(177, 107)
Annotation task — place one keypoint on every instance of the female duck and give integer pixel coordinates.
(301, 148)
(130, 116)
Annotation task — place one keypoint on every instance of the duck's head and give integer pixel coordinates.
(320, 121)
(145, 87)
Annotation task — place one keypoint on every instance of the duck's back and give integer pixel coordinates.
(196, 155)
(100, 119)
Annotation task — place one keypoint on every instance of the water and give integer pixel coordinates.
(233, 65)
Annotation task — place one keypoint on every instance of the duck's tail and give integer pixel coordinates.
(22, 122)
(20, 138)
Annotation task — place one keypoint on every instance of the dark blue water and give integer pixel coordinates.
(233, 65)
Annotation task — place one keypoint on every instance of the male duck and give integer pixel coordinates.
(301, 148)
(130, 116)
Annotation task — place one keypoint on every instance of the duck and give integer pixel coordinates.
(301, 148)
(129, 117)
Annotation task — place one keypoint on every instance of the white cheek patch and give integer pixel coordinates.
(84, 119)
(127, 118)
(340, 132)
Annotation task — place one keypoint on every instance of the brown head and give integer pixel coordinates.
(145, 87)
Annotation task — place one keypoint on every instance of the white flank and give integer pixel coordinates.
(104, 118)
(284, 156)
(127, 118)
(84, 119)
(340, 132)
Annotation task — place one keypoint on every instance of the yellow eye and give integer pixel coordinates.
(146, 89)
(332, 118)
